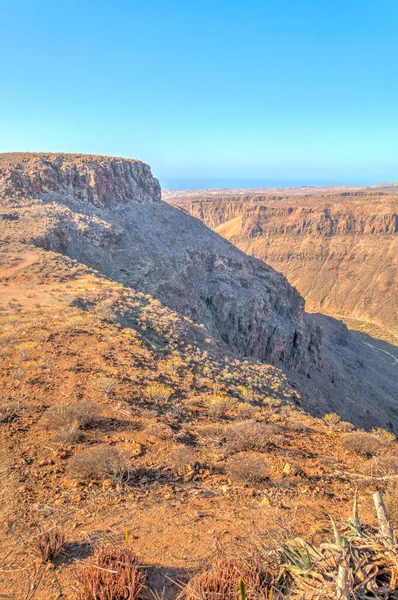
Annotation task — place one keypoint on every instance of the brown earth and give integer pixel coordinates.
(74, 327)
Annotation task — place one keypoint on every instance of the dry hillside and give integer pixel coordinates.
(159, 389)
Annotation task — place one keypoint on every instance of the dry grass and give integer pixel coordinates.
(247, 435)
(84, 413)
(49, 544)
(100, 462)
(182, 457)
(391, 500)
(113, 574)
(8, 411)
(364, 444)
(67, 420)
(158, 393)
(247, 467)
(220, 582)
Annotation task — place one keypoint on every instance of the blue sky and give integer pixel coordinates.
(284, 90)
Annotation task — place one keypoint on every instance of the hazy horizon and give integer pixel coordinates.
(197, 183)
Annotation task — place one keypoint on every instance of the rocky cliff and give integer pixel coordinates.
(102, 182)
(339, 251)
(107, 214)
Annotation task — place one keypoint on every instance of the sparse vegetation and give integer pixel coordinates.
(365, 444)
(8, 411)
(100, 462)
(48, 544)
(331, 419)
(220, 582)
(158, 393)
(113, 573)
(247, 467)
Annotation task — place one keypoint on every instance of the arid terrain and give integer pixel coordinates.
(166, 391)
(337, 246)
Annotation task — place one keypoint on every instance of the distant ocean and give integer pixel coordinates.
(198, 184)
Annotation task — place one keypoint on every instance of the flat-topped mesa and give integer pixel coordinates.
(104, 182)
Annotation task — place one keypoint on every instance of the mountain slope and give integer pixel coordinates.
(107, 214)
(340, 251)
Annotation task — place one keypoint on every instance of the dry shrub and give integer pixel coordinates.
(220, 582)
(247, 435)
(182, 457)
(113, 574)
(83, 414)
(100, 462)
(391, 500)
(211, 434)
(158, 392)
(49, 544)
(385, 436)
(218, 404)
(331, 419)
(8, 411)
(246, 410)
(105, 386)
(247, 467)
(382, 466)
(160, 431)
(68, 434)
(361, 443)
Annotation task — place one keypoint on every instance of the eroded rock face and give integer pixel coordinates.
(340, 251)
(107, 213)
(102, 182)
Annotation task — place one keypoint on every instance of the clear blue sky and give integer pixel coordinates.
(256, 89)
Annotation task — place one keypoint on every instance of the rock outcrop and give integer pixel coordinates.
(107, 214)
(102, 182)
(339, 251)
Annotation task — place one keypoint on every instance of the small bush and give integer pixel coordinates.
(49, 544)
(391, 500)
(385, 436)
(182, 457)
(105, 386)
(8, 411)
(218, 404)
(364, 444)
(247, 435)
(100, 462)
(382, 466)
(331, 419)
(247, 467)
(158, 393)
(220, 582)
(82, 414)
(113, 574)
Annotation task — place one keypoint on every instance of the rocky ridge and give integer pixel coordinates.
(340, 251)
(107, 214)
